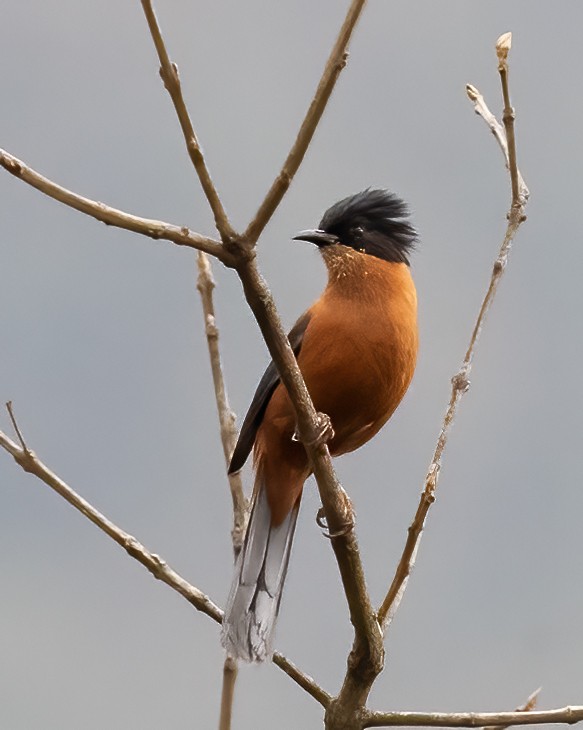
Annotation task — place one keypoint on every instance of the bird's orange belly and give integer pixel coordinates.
(361, 384)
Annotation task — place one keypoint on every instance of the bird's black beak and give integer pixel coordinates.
(320, 238)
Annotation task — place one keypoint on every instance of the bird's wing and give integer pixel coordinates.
(267, 385)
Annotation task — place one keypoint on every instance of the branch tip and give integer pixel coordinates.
(25, 449)
(503, 46)
(472, 92)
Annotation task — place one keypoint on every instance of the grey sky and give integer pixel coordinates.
(104, 358)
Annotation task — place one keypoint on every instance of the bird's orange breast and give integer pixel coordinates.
(359, 353)
(357, 357)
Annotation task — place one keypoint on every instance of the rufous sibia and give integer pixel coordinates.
(356, 347)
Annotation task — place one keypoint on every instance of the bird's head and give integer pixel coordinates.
(372, 222)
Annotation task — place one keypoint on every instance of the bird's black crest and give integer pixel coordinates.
(373, 222)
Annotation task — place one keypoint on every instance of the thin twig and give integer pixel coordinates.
(569, 715)
(228, 692)
(304, 680)
(460, 383)
(392, 600)
(503, 46)
(171, 79)
(158, 567)
(228, 429)
(16, 427)
(482, 110)
(205, 285)
(527, 706)
(336, 62)
(112, 216)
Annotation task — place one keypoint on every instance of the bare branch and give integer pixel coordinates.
(392, 600)
(171, 79)
(334, 65)
(569, 715)
(111, 216)
(205, 286)
(304, 680)
(158, 567)
(481, 109)
(460, 382)
(503, 46)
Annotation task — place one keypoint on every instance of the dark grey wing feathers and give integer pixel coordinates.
(267, 385)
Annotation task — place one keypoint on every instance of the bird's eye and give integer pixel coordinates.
(356, 233)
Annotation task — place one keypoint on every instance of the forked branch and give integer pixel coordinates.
(368, 645)
(460, 381)
(261, 302)
(180, 235)
(366, 659)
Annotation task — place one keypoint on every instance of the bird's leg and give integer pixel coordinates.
(348, 516)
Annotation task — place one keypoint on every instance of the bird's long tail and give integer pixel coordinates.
(260, 570)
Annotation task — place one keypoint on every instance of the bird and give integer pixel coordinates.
(356, 348)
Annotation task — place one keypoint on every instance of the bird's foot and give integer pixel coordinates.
(324, 431)
(346, 527)
(321, 519)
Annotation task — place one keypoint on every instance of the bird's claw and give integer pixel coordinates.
(321, 519)
(324, 431)
(344, 529)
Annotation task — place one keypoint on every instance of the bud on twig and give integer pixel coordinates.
(503, 45)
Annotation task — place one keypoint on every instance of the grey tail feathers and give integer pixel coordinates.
(260, 571)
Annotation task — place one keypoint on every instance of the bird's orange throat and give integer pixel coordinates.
(355, 275)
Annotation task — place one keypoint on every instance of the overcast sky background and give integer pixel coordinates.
(103, 354)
